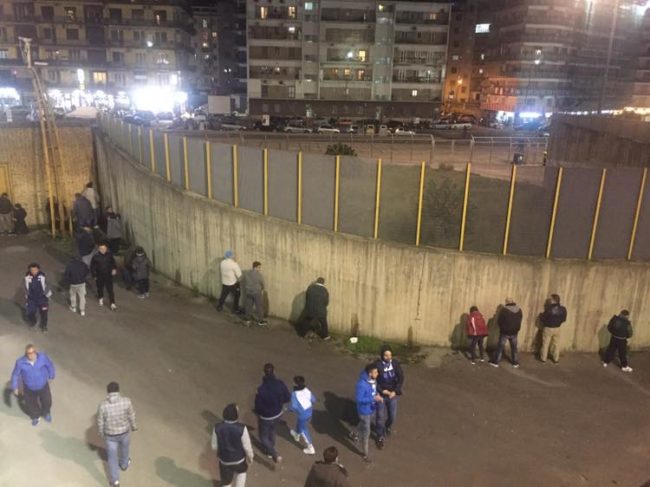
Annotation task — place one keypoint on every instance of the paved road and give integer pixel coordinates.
(181, 362)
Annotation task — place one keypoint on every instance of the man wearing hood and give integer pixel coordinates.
(231, 441)
(83, 211)
(509, 322)
(367, 398)
(37, 296)
(620, 328)
(230, 276)
(553, 316)
(113, 230)
(389, 386)
(115, 421)
(140, 270)
(271, 396)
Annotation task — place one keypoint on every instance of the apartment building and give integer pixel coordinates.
(98, 45)
(367, 58)
(641, 87)
(533, 57)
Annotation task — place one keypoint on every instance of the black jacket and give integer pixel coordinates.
(270, 398)
(390, 378)
(84, 212)
(76, 272)
(102, 265)
(317, 299)
(553, 316)
(620, 327)
(5, 206)
(510, 319)
(85, 242)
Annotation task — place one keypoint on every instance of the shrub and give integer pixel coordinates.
(340, 149)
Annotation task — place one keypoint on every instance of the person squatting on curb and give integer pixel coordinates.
(34, 371)
(231, 441)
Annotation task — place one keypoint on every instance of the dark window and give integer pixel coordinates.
(454, 70)
(72, 34)
(137, 14)
(456, 44)
(71, 13)
(160, 16)
(115, 14)
(47, 33)
(118, 57)
(47, 12)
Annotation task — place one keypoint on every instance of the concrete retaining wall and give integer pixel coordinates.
(388, 290)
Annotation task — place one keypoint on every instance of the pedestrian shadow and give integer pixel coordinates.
(172, 474)
(493, 331)
(458, 336)
(603, 340)
(72, 450)
(211, 420)
(8, 399)
(338, 413)
(297, 308)
(13, 309)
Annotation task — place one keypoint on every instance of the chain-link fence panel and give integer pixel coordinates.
(451, 152)
(318, 190)
(176, 160)
(617, 213)
(283, 184)
(400, 187)
(196, 165)
(532, 207)
(357, 195)
(251, 178)
(487, 207)
(444, 191)
(642, 241)
(575, 214)
(222, 179)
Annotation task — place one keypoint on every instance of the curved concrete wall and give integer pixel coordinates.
(388, 290)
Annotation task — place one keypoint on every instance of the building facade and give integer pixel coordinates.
(641, 87)
(360, 59)
(110, 46)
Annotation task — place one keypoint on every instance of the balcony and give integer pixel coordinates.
(420, 18)
(275, 34)
(418, 79)
(348, 15)
(421, 38)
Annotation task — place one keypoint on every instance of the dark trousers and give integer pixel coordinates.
(142, 285)
(267, 436)
(41, 309)
(38, 403)
(476, 340)
(105, 282)
(317, 324)
(615, 344)
(513, 348)
(114, 245)
(227, 472)
(235, 290)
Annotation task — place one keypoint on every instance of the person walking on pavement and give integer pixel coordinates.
(92, 196)
(103, 268)
(269, 402)
(389, 385)
(477, 330)
(115, 422)
(509, 321)
(6, 215)
(140, 270)
(231, 441)
(367, 399)
(254, 285)
(84, 212)
(37, 296)
(302, 401)
(20, 215)
(621, 330)
(75, 274)
(553, 316)
(230, 276)
(34, 371)
(113, 230)
(329, 472)
(316, 301)
(85, 244)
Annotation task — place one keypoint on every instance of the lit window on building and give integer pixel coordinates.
(309, 5)
(482, 56)
(204, 44)
(292, 29)
(361, 74)
(204, 23)
(380, 7)
(214, 35)
(292, 11)
(264, 12)
(362, 56)
(71, 13)
(99, 77)
(480, 71)
(346, 72)
(414, 93)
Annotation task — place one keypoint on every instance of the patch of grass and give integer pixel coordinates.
(371, 346)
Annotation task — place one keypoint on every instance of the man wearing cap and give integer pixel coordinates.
(509, 322)
(230, 276)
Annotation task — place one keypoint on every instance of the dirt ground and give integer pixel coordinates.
(181, 362)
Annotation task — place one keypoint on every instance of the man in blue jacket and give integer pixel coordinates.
(34, 370)
(269, 401)
(37, 296)
(367, 398)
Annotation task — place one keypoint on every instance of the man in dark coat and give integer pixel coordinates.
(509, 322)
(103, 267)
(6, 214)
(20, 215)
(620, 327)
(329, 472)
(271, 397)
(83, 212)
(314, 315)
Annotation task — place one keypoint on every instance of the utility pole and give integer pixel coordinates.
(610, 49)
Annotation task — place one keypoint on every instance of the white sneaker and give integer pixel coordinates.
(113, 307)
(295, 435)
(310, 450)
(627, 369)
(101, 301)
(604, 364)
(73, 309)
(83, 313)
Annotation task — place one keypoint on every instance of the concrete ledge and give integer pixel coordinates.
(392, 291)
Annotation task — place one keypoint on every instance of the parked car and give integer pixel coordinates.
(165, 119)
(328, 129)
(297, 129)
(460, 126)
(403, 131)
(383, 129)
(144, 118)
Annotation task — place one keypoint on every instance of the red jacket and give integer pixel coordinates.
(476, 325)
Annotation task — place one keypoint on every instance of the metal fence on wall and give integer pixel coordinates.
(527, 210)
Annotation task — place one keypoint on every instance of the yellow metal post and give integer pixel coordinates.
(375, 232)
(418, 230)
(506, 235)
(556, 200)
(152, 152)
(235, 177)
(594, 227)
(639, 203)
(168, 169)
(265, 154)
(337, 180)
(299, 202)
(186, 165)
(140, 144)
(463, 221)
(208, 167)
